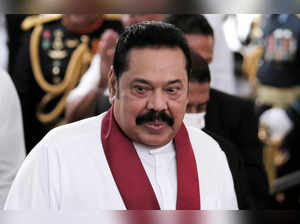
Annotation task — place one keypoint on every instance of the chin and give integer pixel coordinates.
(155, 141)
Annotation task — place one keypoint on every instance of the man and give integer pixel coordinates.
(57, 50)
(138, 155)
(12, 146)
(228, 116)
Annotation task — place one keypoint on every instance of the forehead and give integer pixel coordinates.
(160, 64)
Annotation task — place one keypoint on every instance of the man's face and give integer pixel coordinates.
(201, 44)
(198, 97)
(155, 81)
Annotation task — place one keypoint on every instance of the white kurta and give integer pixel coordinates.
(12, 147)
(68, 170)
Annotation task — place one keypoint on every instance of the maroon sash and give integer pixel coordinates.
(131, 178)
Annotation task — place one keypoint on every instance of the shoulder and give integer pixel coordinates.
(82, 128)
(203, 144)
(78, 136)
(230, 100)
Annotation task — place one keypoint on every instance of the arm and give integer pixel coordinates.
(80, 99)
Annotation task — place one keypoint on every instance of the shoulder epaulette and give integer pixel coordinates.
(112, 16)
(35, 20)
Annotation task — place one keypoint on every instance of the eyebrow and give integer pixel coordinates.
(174, 82)
(141, 81)
(146, 82)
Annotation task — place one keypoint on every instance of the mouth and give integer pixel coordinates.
(155, 126)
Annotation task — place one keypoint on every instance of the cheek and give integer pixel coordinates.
(178, 108)
(132, 106)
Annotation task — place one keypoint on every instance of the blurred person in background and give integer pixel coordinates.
(229, 116)
(56, 51)
(278, 93)
(90, 97)
(199, 85)
(12, 146)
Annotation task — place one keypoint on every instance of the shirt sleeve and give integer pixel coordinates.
(12, 146)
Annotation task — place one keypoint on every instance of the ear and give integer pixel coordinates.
(112, 85)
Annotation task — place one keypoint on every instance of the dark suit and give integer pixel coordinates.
(234, 119)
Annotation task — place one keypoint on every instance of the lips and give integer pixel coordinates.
(155, 126)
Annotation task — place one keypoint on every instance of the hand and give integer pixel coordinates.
(277, 122)
(106, 50)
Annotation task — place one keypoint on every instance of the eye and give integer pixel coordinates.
(140, 89)
(172, 90)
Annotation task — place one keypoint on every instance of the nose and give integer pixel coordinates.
(157, 101)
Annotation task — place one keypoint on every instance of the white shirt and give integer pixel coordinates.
(12, 148)
(160, 167)
(68, 170)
